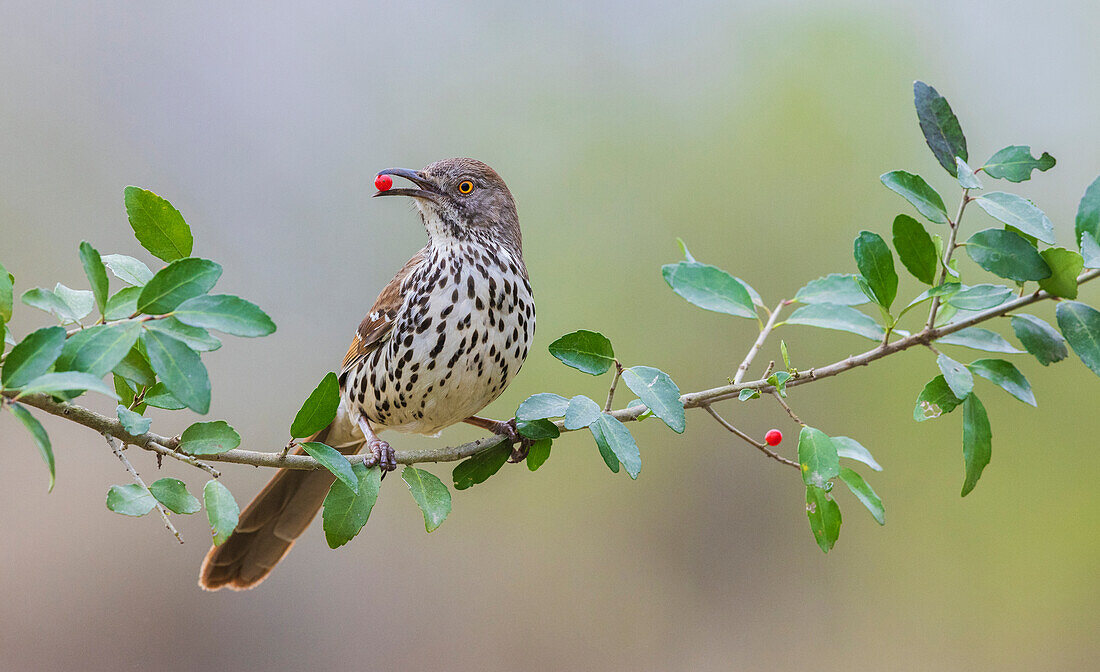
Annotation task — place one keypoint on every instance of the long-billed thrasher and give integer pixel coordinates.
(442, 340)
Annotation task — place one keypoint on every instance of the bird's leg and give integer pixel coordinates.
(380, 452)
(502, 428)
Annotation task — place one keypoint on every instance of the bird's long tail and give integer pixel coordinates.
(274, 519)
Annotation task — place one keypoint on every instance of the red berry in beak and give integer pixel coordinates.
(383, 182)
(774, 437)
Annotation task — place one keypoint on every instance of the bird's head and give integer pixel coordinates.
(460, 199)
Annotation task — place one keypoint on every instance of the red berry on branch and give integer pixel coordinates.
(383, 182)
(774, 437)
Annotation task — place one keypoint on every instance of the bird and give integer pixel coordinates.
(443, 339)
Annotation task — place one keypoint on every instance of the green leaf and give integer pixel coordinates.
(133, 422)
(32, 357)
(1015, 163)
(980, 297)
(44, 299)
(684, 249)
(128, 269)
(746, 394)
(864, 493)
(841, 318)
(957, 376)
(319, 410)
(177, 282)
(430, 494)
(1088, 213)
(919, 193)
(613, 436)
(584, 350)
(157, 225)
(481, 466)
(345, 512)
(915, 249)
(1065, 266)
(210, 438)
(854, 450)
(334, 461)
(538, 429)
(1018, 213)
(79, 302)
(1006, 376)
(172, 493)
(1090, 250)
(538, 454)
(97, 350)
(966, 177)
(836, 288)
(949, 288)
(876, 265)
(134, 367)
(1041, 340)
(934, 400)
(657, 391)
(196, 338)
(221, 510)
(581, 412)
(1007, 254)
(122, 304)
(940, 127)
(979, 339)
(180, 369)
(709, 288)
(7, 296)
(97, 274)
(126, 393)
(67, 381)
(824, 515)
(41, 439)
(130, 500)
(977, 441)
(158, 396)
(225, 313)
(818, 456)
(542, 405)
(779, 381)
(753, 294)
(1080, 324)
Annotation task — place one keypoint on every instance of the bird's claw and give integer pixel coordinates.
(381, 455)
(521, 445)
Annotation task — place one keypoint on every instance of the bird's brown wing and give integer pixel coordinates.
(377, 325)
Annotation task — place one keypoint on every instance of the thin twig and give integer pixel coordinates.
(763, 447)
(747, 362)
(611, 390)
(116, 447)
(182, 457)
(948, 251)
(786, 407)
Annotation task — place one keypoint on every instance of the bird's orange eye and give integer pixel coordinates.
(465, 187)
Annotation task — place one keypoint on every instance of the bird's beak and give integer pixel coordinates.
(427, 187)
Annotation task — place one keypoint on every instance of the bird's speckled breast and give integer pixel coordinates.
(461, 334)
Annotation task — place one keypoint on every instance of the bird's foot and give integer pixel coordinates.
(381, 455)
(521, 445)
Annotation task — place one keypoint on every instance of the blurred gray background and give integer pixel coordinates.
(756, 131)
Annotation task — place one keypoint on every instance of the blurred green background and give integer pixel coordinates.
(756, 131)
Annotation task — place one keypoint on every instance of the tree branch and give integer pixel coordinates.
(701, 399)
(763, 447)
(117, 447)
(764, 333)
